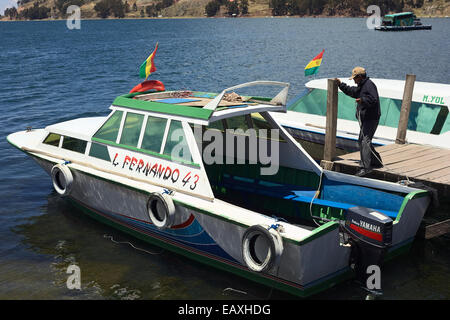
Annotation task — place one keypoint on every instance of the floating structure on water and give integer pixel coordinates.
(404, 21)
(428, 122)
(287, 223)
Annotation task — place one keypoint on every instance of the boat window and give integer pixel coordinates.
(176, 143)
(111, 127)
(131, 129)
(52, 139)
(154, 134)
(238, 122)
(252, 121)
(217, 125)
(74, 144)
(99, 151)
(423, 117)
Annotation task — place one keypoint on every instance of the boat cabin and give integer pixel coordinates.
(399, 19)
(216, 147)
(428, 114)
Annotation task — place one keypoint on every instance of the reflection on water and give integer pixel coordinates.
(64, 236)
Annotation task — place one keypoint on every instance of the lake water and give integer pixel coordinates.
(51, 74)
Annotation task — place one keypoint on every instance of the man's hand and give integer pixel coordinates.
(337, 80)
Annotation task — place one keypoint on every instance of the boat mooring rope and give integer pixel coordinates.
(126, 242)
(233, 290)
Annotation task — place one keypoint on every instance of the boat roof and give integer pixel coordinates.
(401, 14)
(89, 125)
(204, 107)
(425, 92)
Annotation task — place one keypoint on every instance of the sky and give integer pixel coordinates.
(4, 4)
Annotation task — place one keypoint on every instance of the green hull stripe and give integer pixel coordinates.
(165, 108)
(408, 197)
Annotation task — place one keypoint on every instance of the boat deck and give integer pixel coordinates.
(420, 163)
(428, 164)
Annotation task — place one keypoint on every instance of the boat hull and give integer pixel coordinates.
(403, 28)
(206, 238)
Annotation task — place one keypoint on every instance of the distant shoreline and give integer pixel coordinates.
(3, 19)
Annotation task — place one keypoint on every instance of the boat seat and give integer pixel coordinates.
(288, 192)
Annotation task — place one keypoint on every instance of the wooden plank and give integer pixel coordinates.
(411, 149)
(406, 156)
(395, 148)
(406, 107)
(435, 175)
(429, 166)
(349, 156)
(411, 163)
(329, 151)
(397, 151)
(437, 229)
(444, 178)
(382, 149)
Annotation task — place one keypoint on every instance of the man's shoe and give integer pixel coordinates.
(363, 172)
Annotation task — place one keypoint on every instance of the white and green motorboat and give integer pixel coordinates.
(155, 168)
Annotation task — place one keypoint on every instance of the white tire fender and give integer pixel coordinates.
(62, 179)
(161, 210)
(261, 248)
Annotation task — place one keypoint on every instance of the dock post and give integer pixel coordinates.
(329, 151)
(406, 107)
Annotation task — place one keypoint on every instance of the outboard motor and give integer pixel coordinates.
(370, 234)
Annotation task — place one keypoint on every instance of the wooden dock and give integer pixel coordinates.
(416, 163)
(420, 166)
(419, 163)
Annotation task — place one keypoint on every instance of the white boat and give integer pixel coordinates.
(429, 122)
(143, 170)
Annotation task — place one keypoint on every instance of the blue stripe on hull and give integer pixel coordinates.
(192, 235)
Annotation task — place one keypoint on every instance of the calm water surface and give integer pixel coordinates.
(51, 74)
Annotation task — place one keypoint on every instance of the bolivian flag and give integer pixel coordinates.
(147, 67)
(314, 64)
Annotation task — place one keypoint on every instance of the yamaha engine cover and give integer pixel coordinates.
(370, 226)
(370, 234)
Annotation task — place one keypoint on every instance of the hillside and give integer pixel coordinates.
(94, 9)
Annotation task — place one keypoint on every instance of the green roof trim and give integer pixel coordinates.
(164, 108)
(399, 14)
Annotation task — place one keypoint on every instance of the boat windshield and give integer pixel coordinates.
(157, 136)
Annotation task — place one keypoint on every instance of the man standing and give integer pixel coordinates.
(368, 115)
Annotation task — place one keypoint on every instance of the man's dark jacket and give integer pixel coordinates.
(369, 107)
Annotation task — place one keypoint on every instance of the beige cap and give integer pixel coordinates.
(357, 71)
